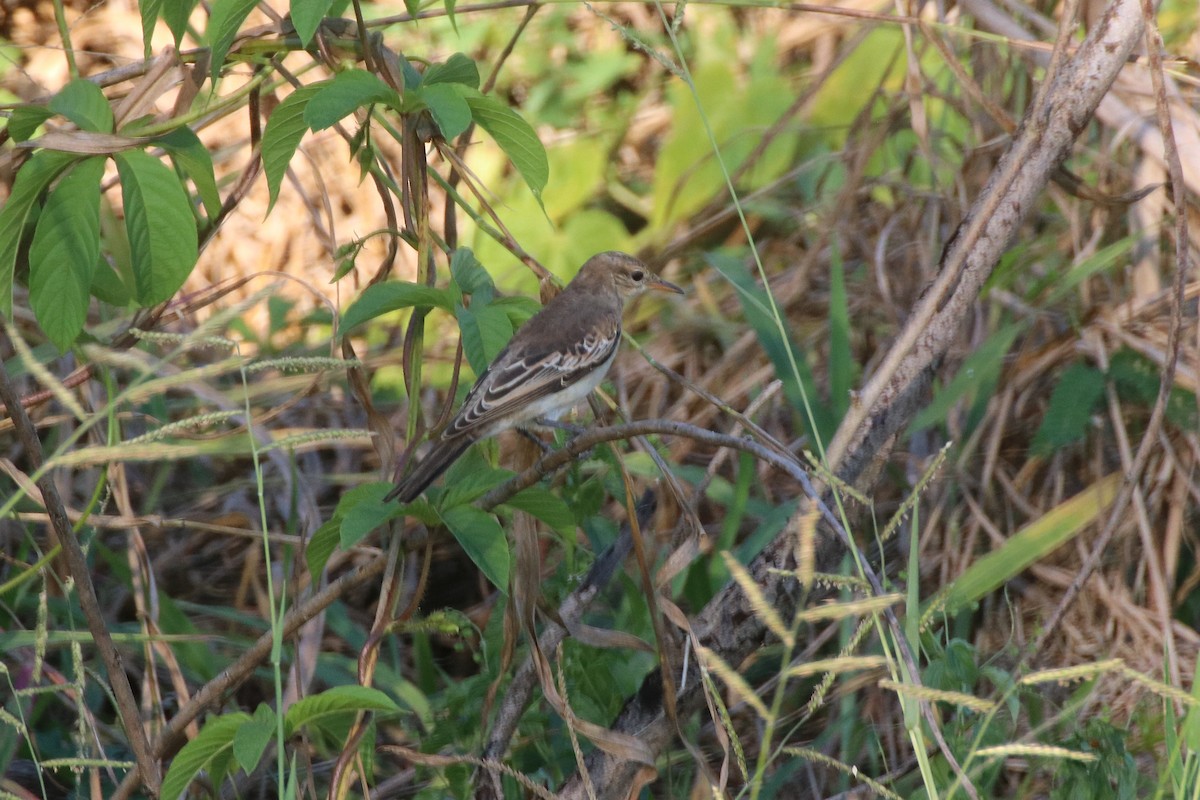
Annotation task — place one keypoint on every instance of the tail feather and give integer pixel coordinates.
(444, 453)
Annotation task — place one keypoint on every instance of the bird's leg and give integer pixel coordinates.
(559, 425)
(572, 431)
(531, 436)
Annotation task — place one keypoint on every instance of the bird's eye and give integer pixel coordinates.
(637, 275)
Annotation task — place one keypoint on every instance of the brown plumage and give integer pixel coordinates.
(555, 360)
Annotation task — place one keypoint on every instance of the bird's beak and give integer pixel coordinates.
(659, 285)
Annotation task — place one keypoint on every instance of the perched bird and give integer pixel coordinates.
(555, 360)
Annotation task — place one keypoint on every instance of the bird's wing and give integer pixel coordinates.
(520, 376)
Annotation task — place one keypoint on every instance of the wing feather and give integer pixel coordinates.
(519, 377)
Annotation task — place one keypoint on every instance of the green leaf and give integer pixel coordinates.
(64, 252)
(798, 383)
(285, 128)
(485, 331)
(519, 308)
(307, 16)
(546, 506)
(251, 739)
(348, 91)
(980, 370)
(483, 541)
(515, 137)
(366, 514)
(468, 274)
(1074, 398)
(31, 180)
(1104, 260)
(108, 287)
(469, 478)
(150, 11)
(347, 699)
(191, 156)
(447, 106)
(82, 102)
(160, 225)
(176, 14)
(321, 547)
(226, 19)
(1137, 379)
(1033, 542)
(214, 740)
(391, 296)
(841, 355)
(25, 120)
(458, 68)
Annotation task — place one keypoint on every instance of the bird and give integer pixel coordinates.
(551, 363)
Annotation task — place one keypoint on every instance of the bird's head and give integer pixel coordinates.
(628, 276)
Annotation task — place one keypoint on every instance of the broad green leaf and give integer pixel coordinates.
(447, 106)
(108, 287)
(518, 307)
(82, 102)
(191, 156)
(841, 99)
(307, 16)
(348, 91)
(468, 274)
(226, 19)
(366, 515)
(251, 739)
(24, 121)
(483, 541)
(515, 137)
(469, 478)
(1070, 410)
(580, 167)
(160, 225)
(390, 296)
(1033, 542)
(31, 180)
(214, 740)
(64, 252)
(285, 128)
(485, 331)
(546, 506)
(346, 699)
(458, 68)
(176, 14)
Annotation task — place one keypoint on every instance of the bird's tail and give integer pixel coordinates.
(444, 453)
